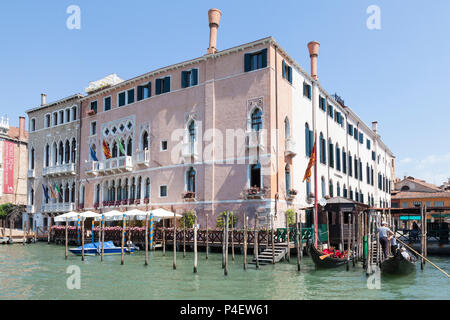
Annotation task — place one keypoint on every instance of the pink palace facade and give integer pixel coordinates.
(230, 130)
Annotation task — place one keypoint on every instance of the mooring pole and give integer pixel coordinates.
(67, 238)
(82, 239)
(297, 242)
(226, 245)
(146, 240)
(207, 238)
(123, 240)
(245, 241)
(232, 240)
(256, 241)
(273, 238)
(422, 239)
(174, 241)
(184, 237)
(164, 237)
(103, 237)
(288, 242)
(223, 238)
(49, 227)
(195, 244)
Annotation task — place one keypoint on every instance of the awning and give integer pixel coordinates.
(67, 216)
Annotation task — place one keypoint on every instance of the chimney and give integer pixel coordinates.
(375, 126)
(21, 128)
(214, 16)
(313, 48)
(43, 99)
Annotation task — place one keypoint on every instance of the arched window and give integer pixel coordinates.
(82, 190)
(330, 153)
(113, 191)
(60, 194)
(287, 128)
(125, 190)
(114, 150)
(130, 147)
(404, 188)
(32, 159)
(287, 176)
(74, 113)
(356, 195)
(192, 136)
(338, 190)
(255, 175)
(55, 154)
(322, 180)
(351, 194)
(323, 149)
(330, 186)
(47, 156)
(94, 148)
(133, 189)
(138, 194)
(338, 157)
(256, 119)
(32, 196)
(147, 188)
(190, 180)
(121, 153)
(144, 141)
(119, 190)
(350, 165)
(309, 140)
(74, 150)
(73, 193)
(67, 152)
(97, 194)
(345, 192)
(344, 161)
(66, 193)
(61, 153)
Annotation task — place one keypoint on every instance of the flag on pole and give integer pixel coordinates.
(93, 155)
(106, 150)
(312, 162)
(122, 149)
(58, 190)
(45, 192)
(52, 192)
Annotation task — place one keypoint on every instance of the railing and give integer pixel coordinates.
(143, 157)
(189, 150)
(255, 139)
(110, 166)
(290, 147)
(281, 235)
(31, 173)
(412, 236)
(58, 207)
(63, 169)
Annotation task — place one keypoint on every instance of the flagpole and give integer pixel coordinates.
(316, 216)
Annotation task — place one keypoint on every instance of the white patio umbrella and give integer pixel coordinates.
(113, 215)
(138, 214)
(89, 214)
(68, 215)
(164, 214)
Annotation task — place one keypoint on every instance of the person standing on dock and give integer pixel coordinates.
(384, 232)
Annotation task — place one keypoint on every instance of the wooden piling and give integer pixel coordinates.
(245, 241)
(267, 232)
(349, 245)
(67, 238)
(146, 240)
(35, 230)
(123, 241)
(426, 235)
(288, 249)
(422, 231)
(207, 238)
(184, 237)
(223, 239)
(232, 241)
(273, 238)
(341, 220)
(353, 239)
(103, 238)
(256, 241)
(297, 243)
(301, 237)
(174, 241)
(49, 228)
(82, 239)
(195, 245)
(328, 229)
(226, 244)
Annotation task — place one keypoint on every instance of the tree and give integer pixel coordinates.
(290, 216)
(189, 217)
(223, 216)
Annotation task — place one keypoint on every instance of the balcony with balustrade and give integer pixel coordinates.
(59, 170)
(58, 207)
(189, 151)
(31, 174)
(255, 139)
(143, 158)
(111, 166)
(290, 148)
(31, 209)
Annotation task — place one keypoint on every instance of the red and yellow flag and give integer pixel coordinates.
(312, 162)
(106, 150)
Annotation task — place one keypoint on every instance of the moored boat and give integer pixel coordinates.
(327, 262)
(95, 248)
(399, 265)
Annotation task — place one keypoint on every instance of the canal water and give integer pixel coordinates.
(39, 271)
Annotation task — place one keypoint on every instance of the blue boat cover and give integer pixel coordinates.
(95, 245)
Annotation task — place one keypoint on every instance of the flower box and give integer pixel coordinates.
(96, 205)
(91, 112)
(146, 200)
(124, 202)
(117, 203)
(189, 196)
(137, 201)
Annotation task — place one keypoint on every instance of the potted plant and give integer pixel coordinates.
(137, 201)
(96, 205)
(146, 200)
(91, 112)
(189, 196)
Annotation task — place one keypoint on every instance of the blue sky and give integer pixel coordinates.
(398, 75)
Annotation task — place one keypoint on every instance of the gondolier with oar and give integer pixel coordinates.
(384, 232)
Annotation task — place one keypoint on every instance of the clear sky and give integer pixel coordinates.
(398, 75)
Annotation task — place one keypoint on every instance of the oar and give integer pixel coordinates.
(423, 257)
(326, 255)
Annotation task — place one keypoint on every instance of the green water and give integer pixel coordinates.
(38, 271)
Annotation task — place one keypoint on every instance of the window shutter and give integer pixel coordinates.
(166, 84)
(183, 79)
(158, 86)
(139, 93)
(194, 74)
(149, 86)
(247, 62)
(290, 75)
(264, 58)
(283, 68)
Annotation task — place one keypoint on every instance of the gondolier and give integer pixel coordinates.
(384, 232)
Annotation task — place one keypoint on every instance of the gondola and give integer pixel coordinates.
(326, 263)
(399, 265)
